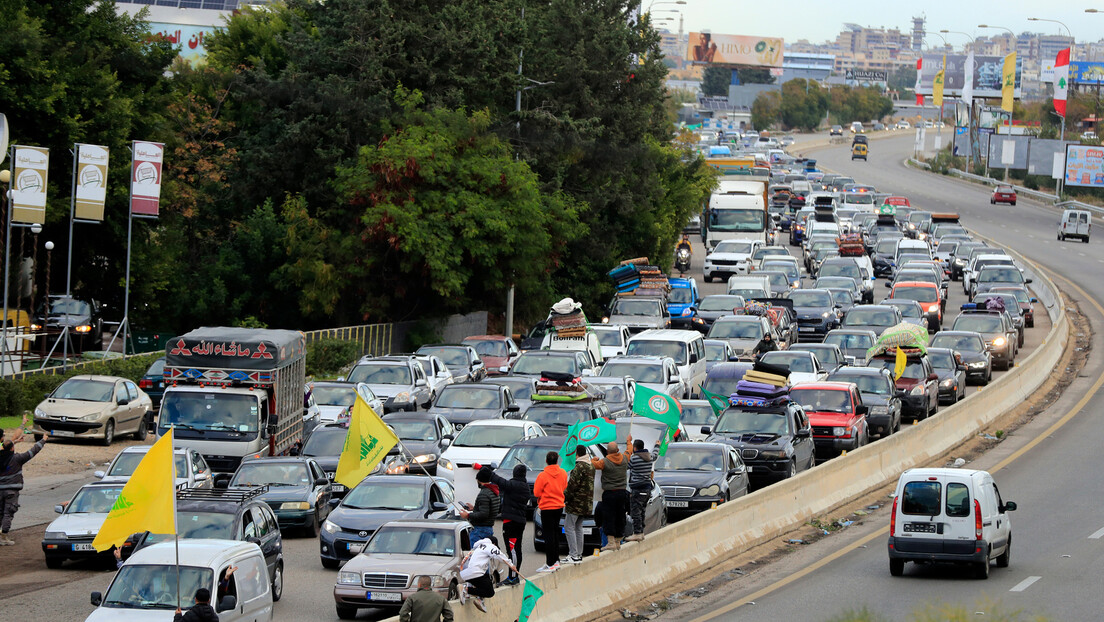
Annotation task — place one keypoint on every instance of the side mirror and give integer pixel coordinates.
(1027, 280)
(58, 509)
(862, 410)
(420, 382)
(444, 442)
(513, 408)
(438, 506)
(804, 433)
(888, 284)
(588, 372)
(693, 357)
(98, 474)
(228, 603)
(341, 378)
(706, 429)
(96, 599)
(335, 502)
(222, 480)
(1010, 506)
(1033, 299)
(504, 369)
(123, 401)
(445, 374)
(201, 477)
(322, 481)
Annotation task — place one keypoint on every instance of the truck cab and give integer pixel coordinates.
(682, 304)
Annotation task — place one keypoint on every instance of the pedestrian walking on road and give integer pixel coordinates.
(484, 513)
(578, 503)
(11, 481)
(549, 490)
(640, 485)
(201, 612)
(615, 497)
(515, 502)
(425, 605)
(476, 571)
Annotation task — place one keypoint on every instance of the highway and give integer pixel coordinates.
(1058, 550)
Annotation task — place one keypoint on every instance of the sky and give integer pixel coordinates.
(822, 20)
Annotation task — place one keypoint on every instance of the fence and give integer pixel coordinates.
(372, 339)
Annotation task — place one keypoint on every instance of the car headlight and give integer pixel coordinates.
(826, 314)
(402, 397)
(710, 491)
(879, 410)
(38, 412)
(839, 431)
(56, 535)
(434, 580)
(92, 417)
(605, 320)
(445, 463)
(999, 341)
(976, 365)
(424, 459)
(687, 312)
(295, 505)
(330, 527)
(772, 454)
(917, 390)
(949, 382)
(348, 578)
(83, 328)
(36, 327)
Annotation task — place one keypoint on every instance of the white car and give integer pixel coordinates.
(657, 373)
(70, 535)
(729, 257)
(487, 440)
(613, 338)
(903, 125)
(438, 375)
(191, 469)
(335, 400)
(803, 366)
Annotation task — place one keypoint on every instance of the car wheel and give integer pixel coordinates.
(1004, 558)
(981, 570)
(278, 582)
(1013, 204)
(346, 612)
(793, 469)
(1059, 237)
(453, 591)
(143, 427)
(329, 564)
(311, 530)
(109, 432)
(896, 567)
(53, 562)
(992, 202)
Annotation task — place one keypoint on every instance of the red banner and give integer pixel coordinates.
(145, 178)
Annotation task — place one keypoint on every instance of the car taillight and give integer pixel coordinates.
(145, 383)
(893, 519)
(977, 519)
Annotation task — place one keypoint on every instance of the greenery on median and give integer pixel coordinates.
(945, 612)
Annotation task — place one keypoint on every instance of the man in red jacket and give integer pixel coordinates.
(549, 491)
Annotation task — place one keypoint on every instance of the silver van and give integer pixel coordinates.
(685, 347)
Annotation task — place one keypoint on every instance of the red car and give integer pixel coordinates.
(927, 294)
(897, 201)
(1003, 194)
(496, 351)
(837, 414)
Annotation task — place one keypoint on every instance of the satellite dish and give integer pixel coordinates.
(3, 137)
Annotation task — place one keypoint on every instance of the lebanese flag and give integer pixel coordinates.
(1061, 82)
(919, 97)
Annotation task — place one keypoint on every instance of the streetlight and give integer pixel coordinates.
(1041, 19)
(649, 10)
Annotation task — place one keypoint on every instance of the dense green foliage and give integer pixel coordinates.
(766, 110)
(803, 104)
(863, 103)
(326, 357)
(18, 396)
(715, 81)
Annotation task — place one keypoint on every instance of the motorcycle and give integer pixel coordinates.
(682, 260)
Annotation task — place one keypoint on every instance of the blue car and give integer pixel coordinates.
(682, 304)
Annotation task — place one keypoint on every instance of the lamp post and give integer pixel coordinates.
(46, 314)
(649, 9)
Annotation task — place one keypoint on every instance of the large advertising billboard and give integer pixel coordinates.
(718, 49)
(987, 75)
(1091, 74)
(1084, 165)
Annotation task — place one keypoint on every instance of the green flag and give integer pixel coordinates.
(585, 433)
(717, 402)
(658, 406)
(529, 600)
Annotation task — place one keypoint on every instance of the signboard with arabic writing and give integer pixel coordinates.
(91, 183)
(234, 348)
(187, 39)
(28, 189)
(1085, 166)
(145, 178)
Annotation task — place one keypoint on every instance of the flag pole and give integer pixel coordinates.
(176, 519)
(422, 467)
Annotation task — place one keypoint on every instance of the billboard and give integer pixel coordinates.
(867, 75)
(1084, 164)
(145, 178)
(90, 185)
(717, 49)
(1091, 74)
(188, 39)
(986, 71)
(28, 189)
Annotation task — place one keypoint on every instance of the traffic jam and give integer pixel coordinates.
(843, 312)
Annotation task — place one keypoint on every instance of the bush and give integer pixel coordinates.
(326, 357)
(19, 395)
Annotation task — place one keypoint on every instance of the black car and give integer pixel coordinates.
(81, 316)
(466, 402)
(996, 328)
(697, 476)
(557, 417)
(463, 361)
(324, 445)
(425, 436)
(816, 313)
(970, 346)
(718, 305)
(536, 362)
(521, 389)
(878, 394)
(952, 374)
(298, 489)
(153, 381)
(775, 441)
(376, 500)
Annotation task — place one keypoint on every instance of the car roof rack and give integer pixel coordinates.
(234, 495)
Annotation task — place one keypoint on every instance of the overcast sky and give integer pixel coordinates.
(822, 20)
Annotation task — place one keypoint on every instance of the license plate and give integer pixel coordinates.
(83, 546)
(807, 328)
(587, 531)
(356, 547)
(385, 596)
(63, 433)
(678, 504)
(338, 488)
(920, 527)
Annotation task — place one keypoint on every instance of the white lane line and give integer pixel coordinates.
(1023, 585)
(1082, 254)
(1097, 535)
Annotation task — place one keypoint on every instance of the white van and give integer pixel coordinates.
(907, 245)
(144, 588)
(587, 343)
(949, 515)
(685, 347)
(1075, 223)
(749, 286)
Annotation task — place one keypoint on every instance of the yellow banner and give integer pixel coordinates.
(147, 501)
(937, 84)
(90, 186)
(1008, 82)
(28, 190)
(899, 364)
(367, 442)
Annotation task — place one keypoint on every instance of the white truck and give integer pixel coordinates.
(738, 209)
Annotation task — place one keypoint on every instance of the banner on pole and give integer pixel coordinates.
(91, 182)
(145, 178)
(28, 199)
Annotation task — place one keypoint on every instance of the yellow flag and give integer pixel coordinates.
(899, 366)
(1008, 82)
(147, 501)
(937, 84)
(367, 442)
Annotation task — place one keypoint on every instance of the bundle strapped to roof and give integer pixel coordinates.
(903, 335)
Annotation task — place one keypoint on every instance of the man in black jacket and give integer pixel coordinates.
(484, 513)
(515, 503)
(201, 612)
(11, 480)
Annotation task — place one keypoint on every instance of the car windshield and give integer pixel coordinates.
(521, 389)
(402, 540)
(213, 410)
(842, 297)
(885, 247)
(851, 271)
(785, 267)
(691, 459)
(680, 296)
(532, 456)
(867, 383)
(69, 306)
(469, 396)
(745, 328)
(947, 247)
(737, 220)
(381, 373)
(333, 395)
(94, 500)
(697, 414)
(148, 586)
(640, 372)
(849, 340)
(941, 360)
(674, 349)
(715, 352)
(999, 274)
(487, 347)
(722, 386)
(84, 390)
(908, 310)
(1004, 189)
(609, 337)
(841, 282)
(979, 323)
(327, 441)
(453, 357)
(914, 369)
(625, 306)
(274, 474)
(919, 294)
(777, 279)
(808, 298)
(859, 198)
(613, 392)
(193, 525)
(799, 362)
(537, 363)
(373, 494)
(819, 400)
(734, 421)
(500, 436)
(555, 416)
(157, 369)
(858, 316)
(127, 461)
(962, 343)
(733, 246)
(918, 217)
(412, 429)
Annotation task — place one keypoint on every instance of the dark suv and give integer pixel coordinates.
(775, 441)
(918, 386)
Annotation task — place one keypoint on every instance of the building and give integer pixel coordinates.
(918, 33)
(806, 65)
(185, 22)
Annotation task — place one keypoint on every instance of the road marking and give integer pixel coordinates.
(1097, 535)
(1082, 254)
(1023, 585)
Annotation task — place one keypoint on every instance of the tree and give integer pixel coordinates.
(804, 104)
(902, 79)
(766, 110)
(755, 75)
(715, 81)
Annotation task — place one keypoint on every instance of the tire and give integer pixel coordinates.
(330, 564)
(1013, 204)
(109, 433)
(143, 427)
(311, 530)
(278, 582)
(981, 570)
(53, 562)
(1059, 236)
(896, 426)
(708, 279)
(346, 612)
(989, 377)
(793, 469)
(453, 591)
(992, 202)
(896, 567)
(1004, 558)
